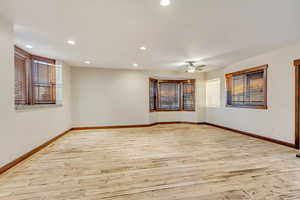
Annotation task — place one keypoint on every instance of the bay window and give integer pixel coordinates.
(172, 95)
(35, 79)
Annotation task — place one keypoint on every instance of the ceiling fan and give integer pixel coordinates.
(192, 67)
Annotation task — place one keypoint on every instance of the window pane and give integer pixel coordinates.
(188, 96)
(169, 96)
(42, 94)
(153, 94)
(238, 90)
(255, 85)
(20, 80)
(43, 82)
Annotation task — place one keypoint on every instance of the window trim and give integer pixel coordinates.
(297, 104)
(229, 76)
(181, 94)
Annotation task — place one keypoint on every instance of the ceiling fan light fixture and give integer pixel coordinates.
(143, 48)
(28, 46)
(191, 69)
(165, 2)
(71, 42)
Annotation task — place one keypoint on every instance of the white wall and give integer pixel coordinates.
(278, 120)
(22, 131)
(103, 97)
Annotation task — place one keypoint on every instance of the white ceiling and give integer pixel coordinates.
(110, 32)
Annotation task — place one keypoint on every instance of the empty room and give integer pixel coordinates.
(149, 99)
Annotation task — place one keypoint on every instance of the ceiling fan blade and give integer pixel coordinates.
(201, 66)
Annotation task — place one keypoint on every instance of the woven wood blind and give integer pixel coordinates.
(188, 96)
(35, 79)
(20, 81)
(153, 94)
(43, 82)
(248, 89)
(169, 96)
(172, 95)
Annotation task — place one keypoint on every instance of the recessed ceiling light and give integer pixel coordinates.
(87, 62)
(143, 48)
(135, 65)
(28, 46)
(165, 2)
(71, 42)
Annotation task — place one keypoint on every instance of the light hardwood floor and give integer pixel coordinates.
(164, 162)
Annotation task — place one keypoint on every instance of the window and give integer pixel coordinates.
(172, 95)
(22, 62)
(35, 79)
(169, 96)
(248, 88)
(153, 94)
(213, 93)
(188, 95)
(43, 81)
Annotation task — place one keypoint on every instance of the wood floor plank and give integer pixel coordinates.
(166, 162)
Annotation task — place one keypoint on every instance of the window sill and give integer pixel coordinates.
(213, 106)
(36, 107)
(172, 110)
(249, 107)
